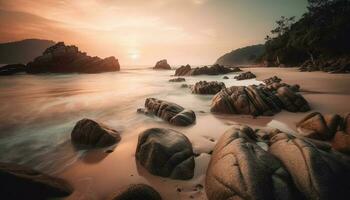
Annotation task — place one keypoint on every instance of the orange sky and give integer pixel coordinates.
(143, 31)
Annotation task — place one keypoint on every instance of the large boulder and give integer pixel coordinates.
(95, 134)
(204, 87)
(341, 142)
(166, 153)
(170, 112)
(137, 192)
(18, 182)
(241, 169)
(12, 69)
(213, 70)
(292, 101)
(318, 126)
(62, 58)
(317, 173)
(245, 75)
(162, 64)
(274, 83)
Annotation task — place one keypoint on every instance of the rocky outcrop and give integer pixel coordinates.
(245, 75)
(204, 87)
(317, 126)
(166, 153)
(225, 77)
(177, 80)
(18, 182)
(95, 134)
(162, 64)
(62, 58)
(341, 142)
(137, 192)
(241, 169)
(274, 83)
(170, 112)
(12, 69)
(213, 70)
(317, 173)
(257, 100)
(335, 65)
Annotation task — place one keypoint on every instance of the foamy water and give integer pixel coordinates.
(38, 112)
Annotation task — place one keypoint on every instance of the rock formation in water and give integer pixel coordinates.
(95, 134)
(12, 69)
(162, 64)
(177, 80)
(331, 127)
(258, 100)
(18, 182)
(137, 192)
(245, 75)
(213, 70)
(170, 112)
(204, 87)
(166, 153)
(249, 164)
(61, 58)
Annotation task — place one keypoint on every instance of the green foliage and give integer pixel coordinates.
(322, 32)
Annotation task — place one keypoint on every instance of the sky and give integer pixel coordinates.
(141, 32)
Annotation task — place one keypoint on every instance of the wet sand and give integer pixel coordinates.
(97, 175)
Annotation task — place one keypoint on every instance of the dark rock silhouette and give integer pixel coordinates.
(213, 70)
(18, 182)
(245, 75)
(95, 134)
(137, 192)
(12, 69)
(162, 64)
(23, 51)
(177, 80)
(170, 112)
(68, 59)
(166, 153)
(241, 169)
(204, 87)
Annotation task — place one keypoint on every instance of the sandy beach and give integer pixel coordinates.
(97, 174)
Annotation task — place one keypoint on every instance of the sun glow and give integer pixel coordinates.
(134, 56)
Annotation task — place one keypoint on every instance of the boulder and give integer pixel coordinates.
(95, 134)
(213, 70)
(12, 69)
(177, 80)
(170, 112)
(18, 182)
(274, 83)
(245, 75)
(62, 58)
(204, 87)
(292, 101)
(162, 64)
(137, 192)
(341, 142)
(225, 77)
(240, 169)
(317, 173)
(271, 80)
(166, 153)
(318, 126)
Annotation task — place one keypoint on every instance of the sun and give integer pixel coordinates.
(134, 55)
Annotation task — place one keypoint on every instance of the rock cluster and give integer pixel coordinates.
(162, 64)
(135, 192)
(245, 75)
(213, 70)
(204, 87)
(94, 134)
(286, 168)
(12, 69)
(166, 153)
(257, 100)
(273, 83)
(62, 58)
(177, 80)
(331, 127)
(170, 112)
(18, 182)
(336, 65)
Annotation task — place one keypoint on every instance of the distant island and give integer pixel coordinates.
(242, 56)
(23, 51)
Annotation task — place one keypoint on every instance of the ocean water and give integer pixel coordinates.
(38, 112)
